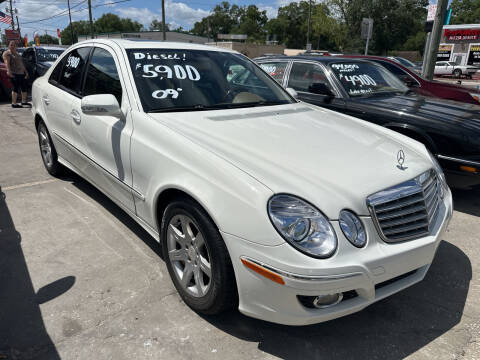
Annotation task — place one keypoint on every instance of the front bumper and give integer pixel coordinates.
(370, 274)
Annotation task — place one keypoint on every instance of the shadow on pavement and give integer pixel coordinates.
(22, 331)
(390, 329)
(96, 195)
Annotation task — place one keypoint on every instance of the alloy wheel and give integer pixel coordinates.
(189, 256)
(45, 146)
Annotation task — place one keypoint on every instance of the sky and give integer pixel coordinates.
(34, 15)
(178, 12)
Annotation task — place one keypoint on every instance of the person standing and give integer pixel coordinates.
(17, 73)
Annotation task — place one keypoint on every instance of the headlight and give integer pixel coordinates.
(352, 228)
(441, 175)
(302, 225)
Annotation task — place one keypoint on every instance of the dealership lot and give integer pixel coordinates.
(80, 280)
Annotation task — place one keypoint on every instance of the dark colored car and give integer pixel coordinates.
(366, 90)
(422, 86)
(37, 60)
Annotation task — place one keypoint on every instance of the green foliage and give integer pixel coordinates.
(157, 25)
(48, 39)
(107, 23)
(416, 42)
(465, 12)
(233, 19)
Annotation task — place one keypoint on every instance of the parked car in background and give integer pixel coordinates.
(407, 63)
(366, 90)
(293, 213)
(450, 68)
(37, 60)
(422, 86)
(5, 84)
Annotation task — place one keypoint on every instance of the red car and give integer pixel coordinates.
(5, 84)
(422, 86)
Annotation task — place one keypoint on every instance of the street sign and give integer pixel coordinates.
(232, 36)
(432, 10)
(367, 27)
(309, 47)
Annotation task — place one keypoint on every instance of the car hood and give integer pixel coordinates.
(46, 63)
(332, 160)
(456, 113)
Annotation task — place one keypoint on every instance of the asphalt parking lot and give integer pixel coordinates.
(80, 280)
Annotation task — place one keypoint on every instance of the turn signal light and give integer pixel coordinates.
(470, 169)
(264, 272)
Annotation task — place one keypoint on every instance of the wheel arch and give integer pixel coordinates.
(38, 118)
(414, 133)
(169, 194)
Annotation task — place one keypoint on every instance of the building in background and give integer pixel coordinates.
(150, 35)
(460, 44)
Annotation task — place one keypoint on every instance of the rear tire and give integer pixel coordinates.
(47, 151)
(197, 258)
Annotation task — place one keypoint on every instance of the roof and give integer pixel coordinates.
(50, 48)
(152, 44)
(461, 27)
(322, 59)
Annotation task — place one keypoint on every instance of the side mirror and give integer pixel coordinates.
(101, 105)
(321, 89)
(292, 92)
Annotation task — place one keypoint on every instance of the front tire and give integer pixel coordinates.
(457, 73)
(197, 258)
(47, 150)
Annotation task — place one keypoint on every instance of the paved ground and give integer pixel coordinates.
(80, 280)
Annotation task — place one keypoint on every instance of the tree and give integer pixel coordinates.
(394, 21)
(465, 12)
(48, 39)
(157, 25)
(113, 23)
(79, 28)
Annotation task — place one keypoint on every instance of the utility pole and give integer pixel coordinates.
(18, 24)
(71, 25)
(163, 21)
(309, 20)
(435, 39)
(11, 13)
(90, 17)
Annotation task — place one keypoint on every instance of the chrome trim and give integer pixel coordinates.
(315, 302)
(426, 194)
(302, 277)
(121, 183)
(463, 161)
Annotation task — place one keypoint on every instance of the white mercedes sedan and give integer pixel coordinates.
(292, 213)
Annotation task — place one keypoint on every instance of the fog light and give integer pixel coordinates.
(324, 301)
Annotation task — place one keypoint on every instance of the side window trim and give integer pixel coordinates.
(115, 60)
(62, 60)
(331, 79)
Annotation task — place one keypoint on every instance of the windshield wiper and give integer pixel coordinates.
(201, 107)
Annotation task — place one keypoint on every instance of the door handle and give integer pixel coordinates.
(76, 117)
(46, 100)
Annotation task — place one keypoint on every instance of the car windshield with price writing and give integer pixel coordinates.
(171, 80)
(366, 79)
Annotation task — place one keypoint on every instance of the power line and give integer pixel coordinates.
(64, 12)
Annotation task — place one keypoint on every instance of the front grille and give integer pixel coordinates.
(408, 210)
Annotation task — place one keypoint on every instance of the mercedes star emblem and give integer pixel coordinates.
(401, 159)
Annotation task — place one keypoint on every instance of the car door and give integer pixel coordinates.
(104, 141)
(276, 69)
(304, 77)
(64, 86)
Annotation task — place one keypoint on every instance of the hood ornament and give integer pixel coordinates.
(401, 160)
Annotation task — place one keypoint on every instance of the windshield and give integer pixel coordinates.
(48, 55)
(183, 80)
(366, 79)
(405, 62)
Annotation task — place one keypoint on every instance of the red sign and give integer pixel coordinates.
(464, 34)
(12, 35)
(59, 35)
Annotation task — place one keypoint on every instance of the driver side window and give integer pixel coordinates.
(304, 75)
